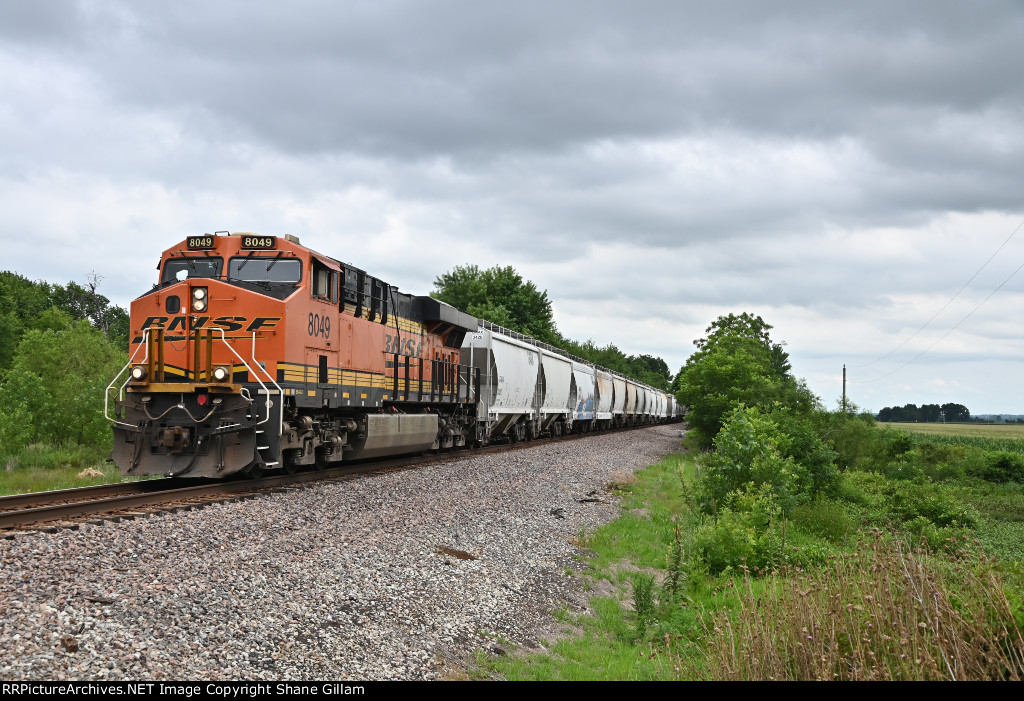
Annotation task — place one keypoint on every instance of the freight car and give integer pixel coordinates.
(255, 352)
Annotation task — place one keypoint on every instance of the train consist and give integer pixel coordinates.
(255, 352)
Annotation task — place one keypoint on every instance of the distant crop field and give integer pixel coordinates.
(967, 430)
(987, 437)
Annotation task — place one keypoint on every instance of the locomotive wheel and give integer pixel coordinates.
(254, 471)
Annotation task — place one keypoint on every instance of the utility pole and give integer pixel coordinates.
(844, 388)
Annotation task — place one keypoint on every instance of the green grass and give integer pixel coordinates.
(603, 651)
(651, 505)
(1000, 528)
(41, 468)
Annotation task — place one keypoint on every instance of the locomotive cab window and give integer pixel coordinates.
(265, 269)
(325, 282)
(193, 266)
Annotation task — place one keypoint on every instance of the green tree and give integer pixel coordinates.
(956, 412)
(651, 370)
(26, 305)
(53, 392)
(499, 295)
(21, 302)
(87, 303)
(737, 363)
(726, 329)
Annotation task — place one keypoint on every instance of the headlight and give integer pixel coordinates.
(138, 373)
(199, 299)
(221, 374)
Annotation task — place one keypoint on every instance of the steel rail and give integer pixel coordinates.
(17, 511)
(16, 501)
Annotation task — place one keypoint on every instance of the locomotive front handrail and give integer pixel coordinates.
(120, 392)
(253, 373)
(280, 392)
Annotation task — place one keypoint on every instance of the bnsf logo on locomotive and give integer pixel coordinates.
(228, 323)
(395, 345)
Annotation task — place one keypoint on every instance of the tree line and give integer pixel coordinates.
(27, 305)
(926, 413)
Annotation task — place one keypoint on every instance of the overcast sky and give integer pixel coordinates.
(841, 169)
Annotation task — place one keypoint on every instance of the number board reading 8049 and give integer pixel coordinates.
(259, 242)
(200, 242)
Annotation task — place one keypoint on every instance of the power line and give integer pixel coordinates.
(950, 301)
(968, 315)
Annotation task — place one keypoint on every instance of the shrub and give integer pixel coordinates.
(1000, 466)
(897, 443)
(800, 441)
(57, 378)
(747, 452)
(944, 472)
(860, 488)
(928, 453)
(825, 519)
(902, 469)
(745, 534)
(852, 437)
(922, 530)
(908, 501)
(939, 462)
(888, 446)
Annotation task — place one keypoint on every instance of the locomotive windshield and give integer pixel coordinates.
(264, 269)
(193, 266)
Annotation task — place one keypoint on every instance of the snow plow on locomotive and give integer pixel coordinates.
(255, 352)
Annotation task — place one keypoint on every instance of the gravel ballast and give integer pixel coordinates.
(369, 578)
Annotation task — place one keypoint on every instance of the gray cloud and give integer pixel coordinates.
(839, 169)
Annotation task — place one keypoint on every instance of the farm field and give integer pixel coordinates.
(1013, 431)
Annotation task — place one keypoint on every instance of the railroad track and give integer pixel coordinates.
(51, 511)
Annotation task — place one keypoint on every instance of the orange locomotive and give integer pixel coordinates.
(255, 352)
